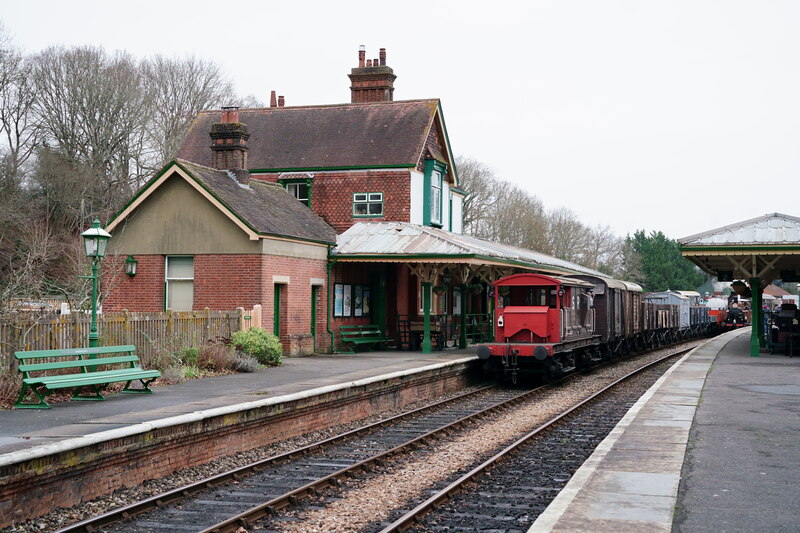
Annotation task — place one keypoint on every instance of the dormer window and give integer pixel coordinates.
(299, 190)
(436, 197)
(298, 185)
(433, 193)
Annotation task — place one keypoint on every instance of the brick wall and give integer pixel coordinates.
(228, 281)
(30, 488)
(295, 295)
(142, 292)
(332, 194)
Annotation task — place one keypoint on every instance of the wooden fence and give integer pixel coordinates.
(152, 333)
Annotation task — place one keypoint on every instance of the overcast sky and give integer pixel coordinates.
(673, 116)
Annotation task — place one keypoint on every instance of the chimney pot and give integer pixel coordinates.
(273, 102)
(281, 101)
(375, 83)
(230, 114)
(362, 53)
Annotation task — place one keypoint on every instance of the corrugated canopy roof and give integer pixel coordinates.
(763, 247)
(405, 242)
(774, 228)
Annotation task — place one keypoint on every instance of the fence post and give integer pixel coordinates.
(256, 320)
(170, 323)
(126, 325)
(240, 310)
(207, 336)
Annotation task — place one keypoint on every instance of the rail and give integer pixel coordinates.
(412, 518)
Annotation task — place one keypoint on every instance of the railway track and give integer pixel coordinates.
(509, 490)
(244, 496)
(284, 479)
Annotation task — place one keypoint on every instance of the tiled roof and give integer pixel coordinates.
(333, 136)
(265, 207)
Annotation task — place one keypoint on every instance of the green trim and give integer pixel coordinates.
(751, 248)
(447, 143)
(322, 169)
(142, 190)
(459, 190)
(427, 347)
(314, 290)
(427, 188)
(276, 310)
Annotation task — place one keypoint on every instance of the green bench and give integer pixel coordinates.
(368, 335)
(94, 369)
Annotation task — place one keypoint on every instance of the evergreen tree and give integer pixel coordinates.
(660, 264)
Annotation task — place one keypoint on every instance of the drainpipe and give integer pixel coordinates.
(331, 261)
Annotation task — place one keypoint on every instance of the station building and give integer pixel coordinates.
(326, 216)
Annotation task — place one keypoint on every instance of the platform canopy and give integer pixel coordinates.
(403, 242)
(766, 247)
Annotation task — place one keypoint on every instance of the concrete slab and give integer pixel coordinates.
(631, 481)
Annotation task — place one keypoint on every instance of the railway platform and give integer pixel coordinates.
(711, 447)
(26, 430)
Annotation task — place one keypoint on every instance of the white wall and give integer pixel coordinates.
(417, 180)
(458, 213)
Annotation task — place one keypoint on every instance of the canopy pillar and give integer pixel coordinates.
(427, 274)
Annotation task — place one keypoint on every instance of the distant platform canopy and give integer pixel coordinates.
(766, 247)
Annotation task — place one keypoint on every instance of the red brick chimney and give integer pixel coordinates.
(372, 80)
(229, 144)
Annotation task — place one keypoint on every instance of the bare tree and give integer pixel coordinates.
(567, 237)
(479, 182)
(93, 109)
(180, 88)
(18, 129)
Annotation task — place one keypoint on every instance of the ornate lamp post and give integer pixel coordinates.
(95, 241)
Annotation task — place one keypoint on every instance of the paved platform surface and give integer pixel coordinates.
(28, 429)
(711, 447)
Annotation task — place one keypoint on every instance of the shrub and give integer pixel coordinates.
(244, 363)
(192, 372)
(163, 360)
(216, 357)
(172, 374)
(264, 346)
(190, 356)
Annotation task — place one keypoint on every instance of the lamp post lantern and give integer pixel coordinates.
(95, 241)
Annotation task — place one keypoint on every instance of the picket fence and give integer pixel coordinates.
(151, 333)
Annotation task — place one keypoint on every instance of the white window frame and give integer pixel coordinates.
(294, 189)
(436, 197)
(168, 280)
(368, 199)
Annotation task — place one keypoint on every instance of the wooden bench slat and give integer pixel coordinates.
(89, 378)
(68, 352)
(77, 363)
(86, 375)
(362, 334)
